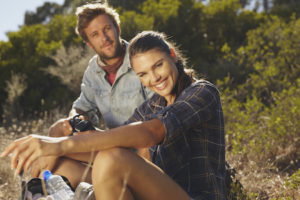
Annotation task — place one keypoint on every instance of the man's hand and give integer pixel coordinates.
(61, 128)
(43, 163)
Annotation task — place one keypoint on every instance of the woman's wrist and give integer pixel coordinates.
(66, 145)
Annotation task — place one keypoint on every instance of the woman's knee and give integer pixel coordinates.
(111, 157)
(111, 161)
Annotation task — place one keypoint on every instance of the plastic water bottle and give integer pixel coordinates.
(57, 187)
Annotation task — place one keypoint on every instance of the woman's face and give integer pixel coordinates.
(157, 71)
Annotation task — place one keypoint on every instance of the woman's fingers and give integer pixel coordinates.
(21, 150)
(10, 148)
(36, 169)
(33, 157)
(18, 148)
(23, 157)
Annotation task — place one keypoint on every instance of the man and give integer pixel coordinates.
(109, 85)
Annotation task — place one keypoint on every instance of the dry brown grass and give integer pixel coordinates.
(261, 179)
(9, 183)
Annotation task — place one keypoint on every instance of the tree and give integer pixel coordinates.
(271, 57)
(43, 13)
(286, 8)
(27, 53)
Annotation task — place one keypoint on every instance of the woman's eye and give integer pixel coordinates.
(141, 75)
(159, 64)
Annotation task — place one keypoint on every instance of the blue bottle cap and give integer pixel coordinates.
(46, 175)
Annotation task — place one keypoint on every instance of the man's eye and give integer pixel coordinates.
(107, 28)
(94, 34)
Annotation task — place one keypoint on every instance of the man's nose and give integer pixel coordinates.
(104, 37)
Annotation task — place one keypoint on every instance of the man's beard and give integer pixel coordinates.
(117, 53)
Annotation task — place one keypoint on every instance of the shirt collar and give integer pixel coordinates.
(123, 68)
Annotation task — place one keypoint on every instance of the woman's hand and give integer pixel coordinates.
(28, 149)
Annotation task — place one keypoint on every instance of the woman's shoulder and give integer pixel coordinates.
(200, 90)
(201, 85)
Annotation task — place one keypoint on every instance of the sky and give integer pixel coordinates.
(12, 13)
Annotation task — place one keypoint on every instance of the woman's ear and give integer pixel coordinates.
(173, 55)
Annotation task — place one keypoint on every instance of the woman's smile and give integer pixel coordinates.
(162, 85)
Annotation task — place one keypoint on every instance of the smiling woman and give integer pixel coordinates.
(12, 14)
(182, 128)
(159, 58)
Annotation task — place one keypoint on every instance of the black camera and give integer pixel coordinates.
(79, 125)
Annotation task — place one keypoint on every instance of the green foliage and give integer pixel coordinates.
(127, 5)
(253, 128)
(161, 10)
(294, 181)
(43, 13)
(133, 23)
(271, 57)
(27, 53)
(285, 8)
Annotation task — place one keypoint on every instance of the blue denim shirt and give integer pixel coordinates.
(193, 150)
(115, 102)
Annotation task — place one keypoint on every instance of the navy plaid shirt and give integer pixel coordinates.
(193, 150)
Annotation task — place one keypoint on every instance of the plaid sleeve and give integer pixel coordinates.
(195, 105)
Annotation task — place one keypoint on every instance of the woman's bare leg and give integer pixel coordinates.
(118, 169)
(74, 170)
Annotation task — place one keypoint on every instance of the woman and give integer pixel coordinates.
(182, 124)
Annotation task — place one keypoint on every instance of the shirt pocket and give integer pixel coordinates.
(102, 99)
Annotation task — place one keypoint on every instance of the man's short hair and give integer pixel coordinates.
(86, 13)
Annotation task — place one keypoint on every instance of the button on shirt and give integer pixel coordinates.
(115, 102)
(193, 150)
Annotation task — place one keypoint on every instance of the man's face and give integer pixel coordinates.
(103, 37)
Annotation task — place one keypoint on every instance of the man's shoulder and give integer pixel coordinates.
(92, 63)
(92, 66)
